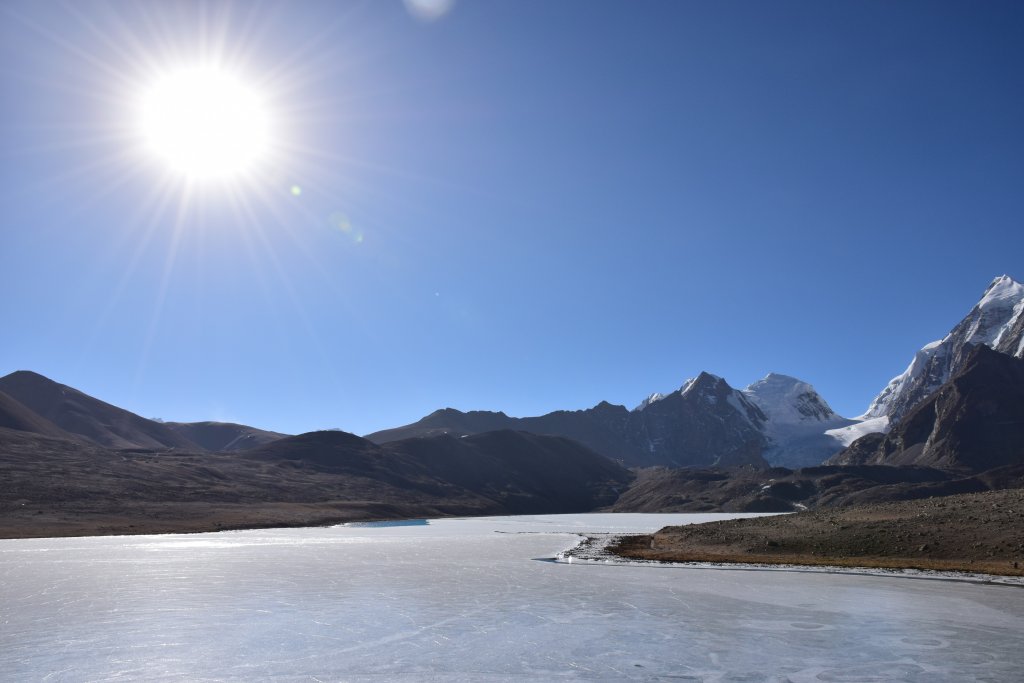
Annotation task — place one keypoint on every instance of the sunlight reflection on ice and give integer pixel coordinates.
(454, 600)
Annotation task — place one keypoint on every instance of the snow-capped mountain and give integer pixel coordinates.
(798, 421)
(996, 321)
(704, 423)
(974, 422)
(787, 400)
(780, 420)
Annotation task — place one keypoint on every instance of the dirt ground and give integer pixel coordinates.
(980, 532)
(180, 518)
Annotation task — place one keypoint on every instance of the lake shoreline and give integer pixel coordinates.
(198, 519)
(979, 533)
(598, 549)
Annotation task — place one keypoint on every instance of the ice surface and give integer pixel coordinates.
(454, 600)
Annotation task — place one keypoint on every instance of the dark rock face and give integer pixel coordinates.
(706, 423)
(974, 422)
(996, 321)
(859, 452)
(87, 417)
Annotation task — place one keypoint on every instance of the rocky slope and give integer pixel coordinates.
(57, 487)
(13, 415)
(705, 423)
(974, 422)
(779, 489)
(996, 321)
(88, 417)
(223, 436)
(33, 403)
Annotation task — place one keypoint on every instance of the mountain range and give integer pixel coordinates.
(953, 422)
(54, 482)
(778, 421)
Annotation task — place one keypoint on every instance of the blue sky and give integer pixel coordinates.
(519, 206)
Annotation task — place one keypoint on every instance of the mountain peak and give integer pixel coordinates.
(996, 321)
(606, 407)
(777, 378)
(703, 381)
(1002, 291)
(27, 377)
(95, 420)
(788, 400)
(653, 398)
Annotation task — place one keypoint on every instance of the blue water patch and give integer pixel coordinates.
(393, 522)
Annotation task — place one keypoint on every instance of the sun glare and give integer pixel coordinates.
(205, 123)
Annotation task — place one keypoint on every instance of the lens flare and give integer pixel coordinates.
(340, 222)
(429, 10)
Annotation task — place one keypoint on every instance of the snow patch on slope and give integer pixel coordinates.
(850, 433)
(798, 420)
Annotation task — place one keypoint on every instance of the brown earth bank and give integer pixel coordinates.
(978, 532)
(184, 518)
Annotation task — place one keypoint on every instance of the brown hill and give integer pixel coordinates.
(88, 417)
(519, 472)
(57, 487)
(223, 436)
(13, 415)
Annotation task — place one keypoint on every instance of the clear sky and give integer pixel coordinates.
(517, 205)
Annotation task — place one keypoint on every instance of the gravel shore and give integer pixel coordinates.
(980, 533)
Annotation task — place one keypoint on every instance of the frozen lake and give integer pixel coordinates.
(454, 600)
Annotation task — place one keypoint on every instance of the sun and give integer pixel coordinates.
(205, 123)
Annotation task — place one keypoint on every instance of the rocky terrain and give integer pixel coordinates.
(996, 321)
(223, 436)
(703, 424)
(978, 532)
(59, 487)
(973, 422)
(782, 490)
